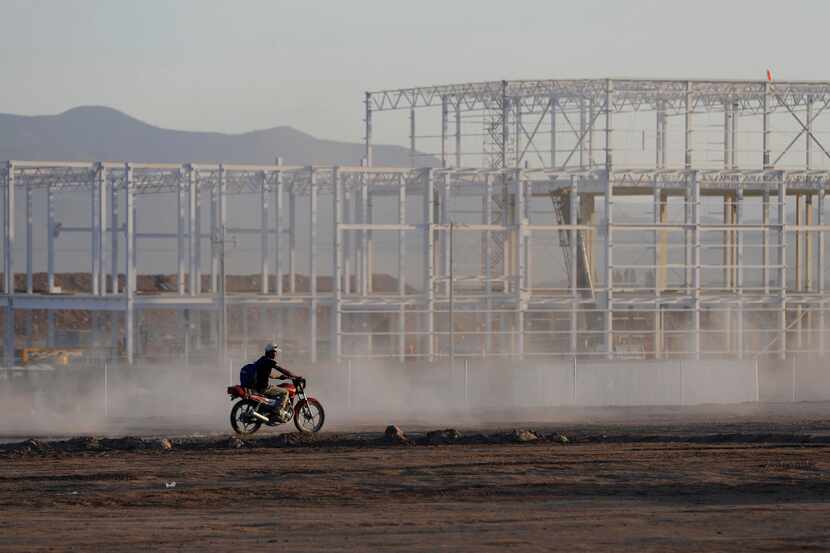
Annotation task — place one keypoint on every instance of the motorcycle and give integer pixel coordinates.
(253, 409)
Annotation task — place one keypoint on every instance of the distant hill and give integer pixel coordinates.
(96, 133)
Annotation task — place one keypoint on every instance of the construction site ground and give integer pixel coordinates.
(758, 481)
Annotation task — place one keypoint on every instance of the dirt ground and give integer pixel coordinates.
(750, 486)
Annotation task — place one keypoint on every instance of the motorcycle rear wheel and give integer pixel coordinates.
(309, 416)
(242, 419)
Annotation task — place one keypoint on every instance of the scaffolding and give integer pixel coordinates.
(596, 218)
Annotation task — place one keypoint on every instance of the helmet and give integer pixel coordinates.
(272, 350)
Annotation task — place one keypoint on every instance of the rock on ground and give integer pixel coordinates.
(394, 435)
(446, 436)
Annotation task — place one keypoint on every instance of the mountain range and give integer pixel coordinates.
(96, 133)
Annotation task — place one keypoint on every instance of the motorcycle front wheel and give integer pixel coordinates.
(309, 416)
(243, 420)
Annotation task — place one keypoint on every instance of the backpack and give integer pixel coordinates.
(247, 376)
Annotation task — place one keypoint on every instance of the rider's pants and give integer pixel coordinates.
(279, 394)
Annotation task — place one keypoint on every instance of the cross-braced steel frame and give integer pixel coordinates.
(616, 174)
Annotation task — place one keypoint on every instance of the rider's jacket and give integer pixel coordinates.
(264, 366)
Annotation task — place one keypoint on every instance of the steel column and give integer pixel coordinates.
(292, 240)
(368, 137)
(765, 240)
(102, 233)
(687, 126)
(608, 314)
(428, 261)
(488, 264)
(312, 262)
(337, 264)
(727, 134)
(766, 131)
(129, 262)
(553, 103)
(221, 246)
(401, 268)
(214, 259)
(96, 179)
(808, 134)
(573, 277)
(445, 237)
(734, 132)
(50, 238)
(114, 237)
(820, 270)
(696, 257)
(739, 270)
(444, 130)
(659, 283)
(412, 151)
(194, 242)
(782, 266)
(660, 142)
(521, 236)
(264, 250)
(458, 134)
(181, 220)
(505, 124)
(29, 242)
(278, 228)
(8, 263)
(365, 276)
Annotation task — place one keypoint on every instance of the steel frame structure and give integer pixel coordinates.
(678, 309)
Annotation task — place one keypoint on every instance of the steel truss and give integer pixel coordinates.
(505, 312)
(607, 303)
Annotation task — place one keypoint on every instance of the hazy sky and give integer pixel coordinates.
(234, 66)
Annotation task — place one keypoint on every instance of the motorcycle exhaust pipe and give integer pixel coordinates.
(262, 417)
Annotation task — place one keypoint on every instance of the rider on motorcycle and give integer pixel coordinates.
(266, 369)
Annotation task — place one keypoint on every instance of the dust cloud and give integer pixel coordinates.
(178, 398)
